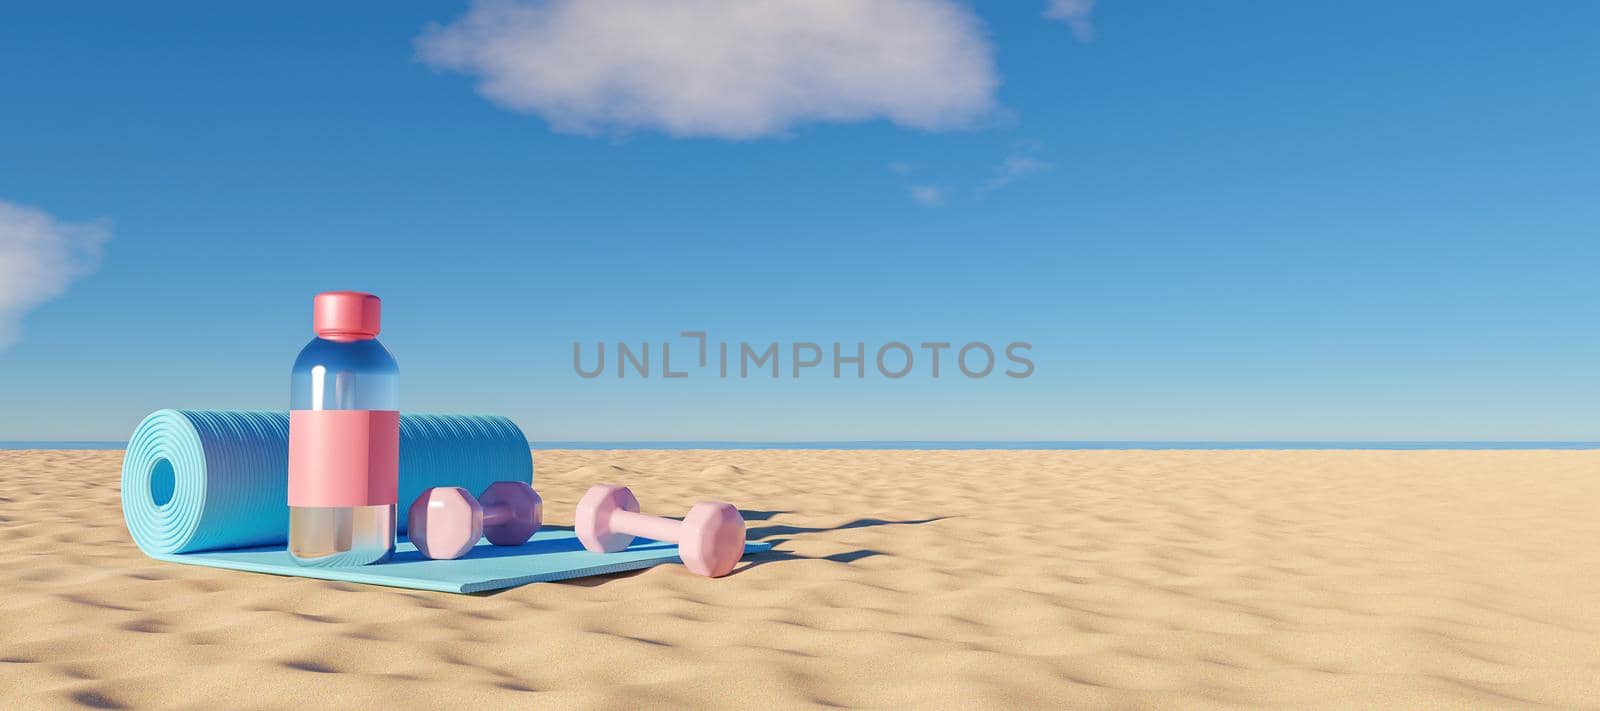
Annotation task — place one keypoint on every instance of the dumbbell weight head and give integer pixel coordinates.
(712, 541)
(520, 510)
(445, 522)
(592, 522)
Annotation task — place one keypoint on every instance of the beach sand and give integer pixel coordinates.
(905, 579)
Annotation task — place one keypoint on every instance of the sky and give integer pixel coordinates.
(1210, 221)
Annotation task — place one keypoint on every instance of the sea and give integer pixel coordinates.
(961, 445)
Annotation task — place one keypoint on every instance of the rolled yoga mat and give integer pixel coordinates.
(210, 487)
(198, 480)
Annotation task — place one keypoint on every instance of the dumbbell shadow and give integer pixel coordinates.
(762, 532)
(777, 554)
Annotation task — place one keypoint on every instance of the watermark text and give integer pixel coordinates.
(699, 355)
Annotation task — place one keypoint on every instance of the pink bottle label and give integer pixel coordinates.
(343, 457)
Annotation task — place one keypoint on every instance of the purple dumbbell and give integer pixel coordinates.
(445, 522)
(710, 538)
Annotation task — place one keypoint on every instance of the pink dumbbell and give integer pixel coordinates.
(710, 539)
(445, 522)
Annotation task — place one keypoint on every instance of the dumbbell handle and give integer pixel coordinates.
(495, 514)
(654, 528)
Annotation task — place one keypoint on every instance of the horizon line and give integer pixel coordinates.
(883, 444)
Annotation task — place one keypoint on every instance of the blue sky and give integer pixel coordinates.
(1358, 220)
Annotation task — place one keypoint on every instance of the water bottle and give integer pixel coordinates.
(344, 437)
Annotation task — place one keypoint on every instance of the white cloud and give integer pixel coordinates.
(734, 70)
(1020, 164)
(1076, 13)
(927, 195)
(39, 257)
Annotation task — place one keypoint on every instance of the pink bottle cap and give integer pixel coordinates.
(346, 315)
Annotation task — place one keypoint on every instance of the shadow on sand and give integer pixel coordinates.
(776, 554)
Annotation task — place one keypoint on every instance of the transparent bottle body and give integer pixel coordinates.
(343, 375)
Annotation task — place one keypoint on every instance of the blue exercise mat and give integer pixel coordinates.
(210, 487)
(550, 555)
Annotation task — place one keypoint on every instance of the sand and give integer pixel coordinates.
(902, 579)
